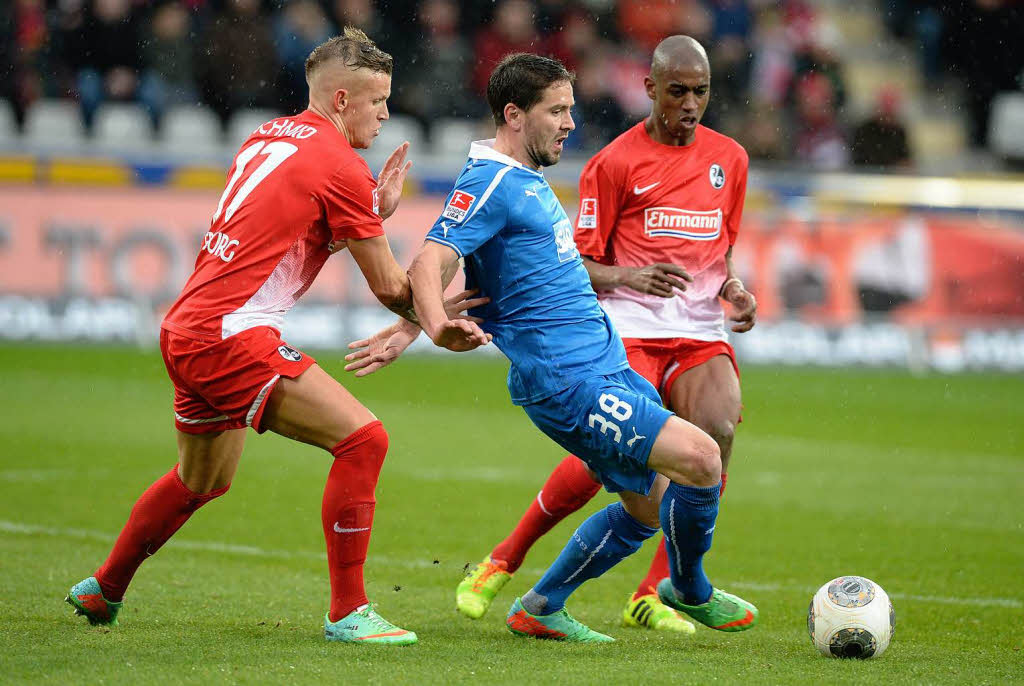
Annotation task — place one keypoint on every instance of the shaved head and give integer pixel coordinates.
(677, 52)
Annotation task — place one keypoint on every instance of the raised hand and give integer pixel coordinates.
(391, 180)
(380, 349)
(658, 279)
(460, 335)
(744, 306)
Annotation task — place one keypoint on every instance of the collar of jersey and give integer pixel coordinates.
(484, 150)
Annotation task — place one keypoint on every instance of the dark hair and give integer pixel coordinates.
(520, 79)
(354, 48)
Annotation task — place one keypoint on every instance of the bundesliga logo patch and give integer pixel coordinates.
(588, 213)
(458, 206)
(290, 354)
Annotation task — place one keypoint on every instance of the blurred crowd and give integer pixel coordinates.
(778, 79)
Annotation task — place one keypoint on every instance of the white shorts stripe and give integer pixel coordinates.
(259, 399)
(186, 420)
(668, 372)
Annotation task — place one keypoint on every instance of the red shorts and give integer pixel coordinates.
(225, 384)
(662, 360)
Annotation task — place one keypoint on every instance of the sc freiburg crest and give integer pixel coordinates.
(717, 176)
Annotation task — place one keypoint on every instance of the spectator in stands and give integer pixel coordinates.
(238, 66)
(440, 58)
(510, 30)
(104, 50)
(881, 140)
(300, 27)
(762, 133)
(363, 15)
(599, 118)
(820, 142)
(168, 62)
(23, 40)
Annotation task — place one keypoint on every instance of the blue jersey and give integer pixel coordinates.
(517, 243)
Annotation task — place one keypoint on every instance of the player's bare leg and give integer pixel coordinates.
(207, 464)
(316, 409)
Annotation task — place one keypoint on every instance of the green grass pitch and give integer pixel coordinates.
(916, 483)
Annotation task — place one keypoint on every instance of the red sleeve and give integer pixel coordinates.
(739, 194)
(349, 199)
(600, 201)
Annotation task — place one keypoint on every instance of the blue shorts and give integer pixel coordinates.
(610, 422)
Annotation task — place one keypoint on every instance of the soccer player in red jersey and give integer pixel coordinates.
(296, 192)
(660, 209)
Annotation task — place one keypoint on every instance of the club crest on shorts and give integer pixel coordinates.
(290, 354)
(458, 206)
(716, 175)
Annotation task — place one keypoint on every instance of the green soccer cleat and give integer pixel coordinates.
(648, 611)
(475, 593)
(558, 626)
(87, 599)
(724, 611)
(366, 626)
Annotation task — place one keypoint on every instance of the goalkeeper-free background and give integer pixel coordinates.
(915, 482)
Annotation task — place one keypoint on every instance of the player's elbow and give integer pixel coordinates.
(396, 296)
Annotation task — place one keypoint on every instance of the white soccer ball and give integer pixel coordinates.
(851, 616)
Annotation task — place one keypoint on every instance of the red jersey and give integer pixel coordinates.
(295, 187)
(643, 202)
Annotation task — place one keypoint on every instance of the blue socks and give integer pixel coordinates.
(688, 516)
(607, 536)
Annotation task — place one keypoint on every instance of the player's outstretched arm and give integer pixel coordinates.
(383, 274)
(385, 346)
(434, 265)
(655, 279)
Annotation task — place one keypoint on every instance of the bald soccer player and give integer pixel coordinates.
(296, 193)
(660, 208)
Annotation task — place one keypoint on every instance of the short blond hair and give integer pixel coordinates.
(354, 48)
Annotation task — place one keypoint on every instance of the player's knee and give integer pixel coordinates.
(721, 430)
(705, 461)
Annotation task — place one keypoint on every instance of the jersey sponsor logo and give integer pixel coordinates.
(458, 206)
(290, 354)
(376, 201)
(637, 190)
(286, 128)
(220, 245)
(716, 175)
(588, 213)
(564, 240)
(687, 224)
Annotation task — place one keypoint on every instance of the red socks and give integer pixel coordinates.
(569, 488)
(659, 565)
(347, 513)
(158, 513)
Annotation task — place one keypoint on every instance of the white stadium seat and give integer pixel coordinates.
(8, 124)
(191, 130)
(122, 127)
(54, 124)
(397, 129)
(244, 122)
(451, 137)
(1006, 125)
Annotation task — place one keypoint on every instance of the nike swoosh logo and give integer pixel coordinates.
(640, 191)
(343, 530)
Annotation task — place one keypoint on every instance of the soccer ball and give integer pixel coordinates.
(851, 616)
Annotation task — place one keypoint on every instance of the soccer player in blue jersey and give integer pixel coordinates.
(569, 369)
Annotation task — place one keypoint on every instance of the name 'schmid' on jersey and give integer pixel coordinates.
(517, 243)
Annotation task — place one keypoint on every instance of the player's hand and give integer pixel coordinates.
(380, 349)
(658, 279)
(457, 304)
(460, 335)
(391, 180)
(744, 307)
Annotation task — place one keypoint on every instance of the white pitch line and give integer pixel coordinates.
(9, 527)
